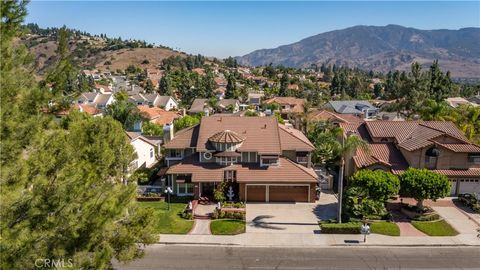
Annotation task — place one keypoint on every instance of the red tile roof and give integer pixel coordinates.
(157, 115)
(294, 139)
(471, 172)
(287, 171)
(324, 115)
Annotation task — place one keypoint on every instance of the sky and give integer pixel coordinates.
(230, 28)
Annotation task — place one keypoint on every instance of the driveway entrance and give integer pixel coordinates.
(281, 217)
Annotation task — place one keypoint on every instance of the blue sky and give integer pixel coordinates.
(235, 28)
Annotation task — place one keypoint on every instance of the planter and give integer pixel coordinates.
(150, 199)
(428, 216)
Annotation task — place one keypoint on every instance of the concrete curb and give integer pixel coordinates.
(317, 246)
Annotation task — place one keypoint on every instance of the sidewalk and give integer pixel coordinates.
(317, 240)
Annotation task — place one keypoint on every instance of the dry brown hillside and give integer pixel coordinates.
(120, 59)
(89, 53)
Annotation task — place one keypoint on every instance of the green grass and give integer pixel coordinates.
(227, 226)
(435, 228)
(385, 228)
(169, 222)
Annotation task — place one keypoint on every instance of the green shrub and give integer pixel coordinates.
(430, 217)
(342, 228)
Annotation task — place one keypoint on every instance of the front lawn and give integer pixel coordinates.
(385, 228)
(169, 222)
(435, 228)
(227, 226)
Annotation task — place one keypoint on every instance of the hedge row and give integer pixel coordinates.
(342, 228)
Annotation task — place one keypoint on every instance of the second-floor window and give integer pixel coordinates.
(226, 160)
(269, 161)
(230, 176)
(474, 158)
(175, 153)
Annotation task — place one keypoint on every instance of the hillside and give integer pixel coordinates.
(380, 48)
(94, 52)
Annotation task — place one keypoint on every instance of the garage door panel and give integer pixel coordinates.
(256, 193)
(288, 194)
(469, 186)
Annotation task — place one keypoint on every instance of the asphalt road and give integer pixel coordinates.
(208, 257)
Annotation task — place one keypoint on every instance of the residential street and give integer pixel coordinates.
(205, 257)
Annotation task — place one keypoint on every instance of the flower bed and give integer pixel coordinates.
(415, 213)
(230, 213)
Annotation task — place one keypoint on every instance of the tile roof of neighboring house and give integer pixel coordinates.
(295, 103)
(102, 99)
(157, 115)
(381, 153)
(409, 135)
(88, 96)
(132, 136)
(87, 109)
(220, 81)
(460, 148)
(294, 139)
(198, 105)
(224, 103)
(452, 172)
(261, 133)
(220, 90)
(287, 171)
(163, 100)
(185, 138)
(199, 71)
(324, 115)
(350, 106)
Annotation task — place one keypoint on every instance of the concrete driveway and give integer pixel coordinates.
(289, 217)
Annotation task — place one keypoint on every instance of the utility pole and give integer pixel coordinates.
(340, 183)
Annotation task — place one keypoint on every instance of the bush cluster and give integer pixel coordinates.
(341, 228)
(220, 214)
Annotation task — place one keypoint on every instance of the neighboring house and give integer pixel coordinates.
(154, 75)
(88, 109)
(220, 92)
(157, 115)
(457, 101)
(255, 98)
(361, 108)
(438, 146)
(97, 100)
(288, 105)
(104, 89)
(200, 105)
(334, 118)
(145, 149)
(260, 159)
(155, 100)
(229, 105)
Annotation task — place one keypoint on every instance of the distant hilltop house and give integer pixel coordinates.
(397, 145)
(454, 102)
(255, 98)
(201, 105)
(145, 148)
(261, 160)
(360, 108)
(155, 100)
(97, 100)
(287, 105)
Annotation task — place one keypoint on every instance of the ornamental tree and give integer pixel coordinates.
(423, 184)
(378, 185)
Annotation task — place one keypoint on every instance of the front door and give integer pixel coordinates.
(207, 189)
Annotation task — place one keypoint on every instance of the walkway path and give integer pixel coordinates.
(202, 227)
(403, 222)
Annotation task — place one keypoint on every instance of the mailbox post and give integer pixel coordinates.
(365, 229)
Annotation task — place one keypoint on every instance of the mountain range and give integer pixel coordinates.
(380, 48)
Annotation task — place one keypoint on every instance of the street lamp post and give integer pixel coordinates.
(168, 191)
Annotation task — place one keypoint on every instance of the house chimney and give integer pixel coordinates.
(168, 133)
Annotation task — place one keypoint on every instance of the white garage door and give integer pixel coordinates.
(469, 186)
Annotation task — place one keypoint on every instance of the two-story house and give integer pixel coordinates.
(396, 145)
(261, 160)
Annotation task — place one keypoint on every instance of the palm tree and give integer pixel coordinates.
(468, 120)
(350, 145)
